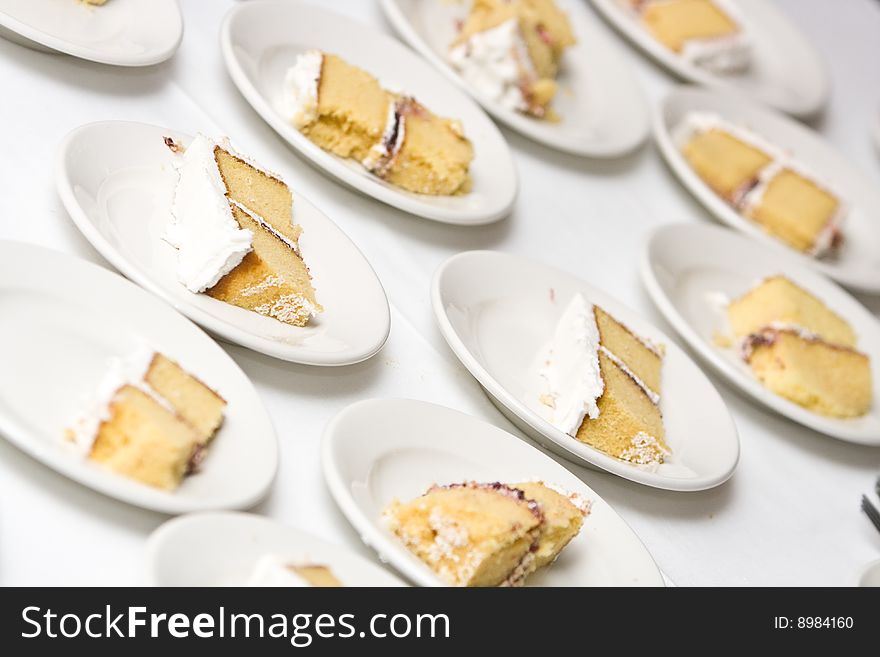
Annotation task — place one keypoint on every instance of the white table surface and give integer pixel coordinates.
(789, 516)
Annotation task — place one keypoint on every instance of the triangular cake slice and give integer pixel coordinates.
(344, 110)
(471, 534)
(601, 385)
(232, 223)
(150, 420)
(274, 571)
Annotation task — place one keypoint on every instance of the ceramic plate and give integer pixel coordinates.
(604, 112)
(261, 40)
(500, 342)
(858, 263)
(122, 32)
(64, 319)
(117, 180)
(786, 71)
(688, 269)
(221, 549)
(379, 450)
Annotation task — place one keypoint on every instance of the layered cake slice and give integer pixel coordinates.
(801, 350)
(274, 571)
(232, 224)
(471, 534)
(344, 110)
(601, 385)
(511, 51)
(706, 33)
(763, 183)
(150, 420)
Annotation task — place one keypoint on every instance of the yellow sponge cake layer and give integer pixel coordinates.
(645, 361)
(777, 300)
(318, 576)
(352, 110)
(271, 280)
(626, 413)
(470, 534)
(827, 379)
(192, 400)
(794, 209)
(727, 164)
(144, 440)
(563, 519)
(675, 22)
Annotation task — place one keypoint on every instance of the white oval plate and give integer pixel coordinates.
(604, 111)
(858, 263)
(379, 450)
(117, 180)
(122, 32)
(498, 328)
(221, 549)
(684, 264)
(786, 70)
(63, 320)
(261, 39)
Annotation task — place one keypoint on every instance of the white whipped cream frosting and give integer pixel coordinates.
(122, 371)
(493, 62)
(299, 97)
(208, 240)
(572, 377)
(273, 571)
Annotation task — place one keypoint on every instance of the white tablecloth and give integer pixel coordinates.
(789, 516)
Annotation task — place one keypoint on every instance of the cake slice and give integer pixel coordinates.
(825, 378)
(274, 571)
(232, 224)
(763, 183)
(801, 350)
(779, 302)
(704, 32)
(344, 110)
(470, 534)
(564, 515)
(602, 383)
(150, 420)
(511, 51)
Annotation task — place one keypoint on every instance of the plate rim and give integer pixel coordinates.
(597, 459)
(65, 47)
(697, 76)
(140, 496)
(326, 163)
(368, 531)
(224, 329)
(717, 208)
(703, 349)
(395, 15)
(160, 536)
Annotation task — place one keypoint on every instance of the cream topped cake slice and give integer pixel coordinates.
(511, 51)
(344, 110)
(232, 225)
(802, 350)
(763, 183)
(601, 385)
(149, 420)
(272, 570)
(706, 33)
